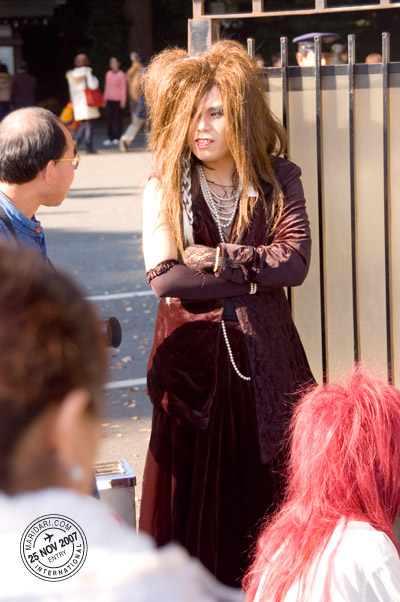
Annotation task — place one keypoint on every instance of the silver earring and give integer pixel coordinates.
(76, 473)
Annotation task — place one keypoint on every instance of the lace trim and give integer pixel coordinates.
(161, 268)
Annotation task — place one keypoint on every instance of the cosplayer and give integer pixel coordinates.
(224, 229)
(333, 538)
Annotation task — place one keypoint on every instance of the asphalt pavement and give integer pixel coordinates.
(95, 236)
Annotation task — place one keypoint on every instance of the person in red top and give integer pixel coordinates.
(115, 97)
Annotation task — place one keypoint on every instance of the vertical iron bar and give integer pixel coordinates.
(251, 43)
(285, 108)
(353, 210)
(198, 8)
(318, 116)
(258, 6)
(284, 77)
(388, 287)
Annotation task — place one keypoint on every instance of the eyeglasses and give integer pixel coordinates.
(75, 161)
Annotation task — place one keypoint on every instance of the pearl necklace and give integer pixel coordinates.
(223, 214)
(222, 220)
(219, 197)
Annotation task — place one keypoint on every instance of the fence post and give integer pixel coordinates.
(386, 199)
(321, 221)
(251, 43)
(202, 33)
(258, 6)
(198, 8)
(353, 208)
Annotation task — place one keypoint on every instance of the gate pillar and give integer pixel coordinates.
(202, 33)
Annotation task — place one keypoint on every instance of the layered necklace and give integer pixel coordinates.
(222, 208)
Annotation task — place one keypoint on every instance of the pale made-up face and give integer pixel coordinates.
(207, 133)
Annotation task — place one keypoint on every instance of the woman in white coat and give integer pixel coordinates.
(79, 79)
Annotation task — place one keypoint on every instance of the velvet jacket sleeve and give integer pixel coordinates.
(186, 283)
(285, 260)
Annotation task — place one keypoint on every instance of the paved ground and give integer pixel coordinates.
(96, 236)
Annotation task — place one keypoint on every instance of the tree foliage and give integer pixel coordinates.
(170, 23)
(108, 30)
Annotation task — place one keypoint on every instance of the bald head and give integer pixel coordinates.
(82, 60)
(29, 139)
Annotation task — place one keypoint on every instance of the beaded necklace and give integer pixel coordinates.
(223, 214)
(222, 220)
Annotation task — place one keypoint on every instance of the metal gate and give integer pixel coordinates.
(343, 125)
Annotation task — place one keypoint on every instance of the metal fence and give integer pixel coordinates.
(343, 125)
(204, 28)
(320, 6)
(344, 132)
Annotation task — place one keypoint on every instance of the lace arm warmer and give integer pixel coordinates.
(171, 279)
(285, 261)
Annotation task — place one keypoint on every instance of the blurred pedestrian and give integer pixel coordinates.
(136, 102)
(259, 60)
(276, 60)
(36, 168)
(134, 80)
(80, 78)
(24, 89)
(339, 54)
(373, 59)
(305, 55)
(5, 91)
(115, 97)
(333, 538)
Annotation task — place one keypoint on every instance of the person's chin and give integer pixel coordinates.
(54, 202)
(206, 155)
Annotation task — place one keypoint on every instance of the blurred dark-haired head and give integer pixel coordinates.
(53, 358)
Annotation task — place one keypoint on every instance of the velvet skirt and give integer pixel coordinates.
(207, 489)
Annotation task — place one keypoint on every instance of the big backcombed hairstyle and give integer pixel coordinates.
(50, 344)
(173, 86)
(344, 464)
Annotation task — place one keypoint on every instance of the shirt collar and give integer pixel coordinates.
(18, 218)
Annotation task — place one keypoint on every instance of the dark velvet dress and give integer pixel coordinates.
(212, 469)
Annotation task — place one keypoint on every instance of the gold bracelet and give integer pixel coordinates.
(217, 259)
(253, 288)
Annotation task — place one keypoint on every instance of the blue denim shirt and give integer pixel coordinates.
(29, 231)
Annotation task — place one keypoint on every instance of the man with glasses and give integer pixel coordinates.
(37, 163)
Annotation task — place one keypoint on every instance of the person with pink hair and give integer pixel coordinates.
(333, 538)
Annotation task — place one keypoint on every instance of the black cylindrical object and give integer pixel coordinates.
(112, 331)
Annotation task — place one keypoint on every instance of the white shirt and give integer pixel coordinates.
(120, 564)
(79, 79)
(364, 568)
